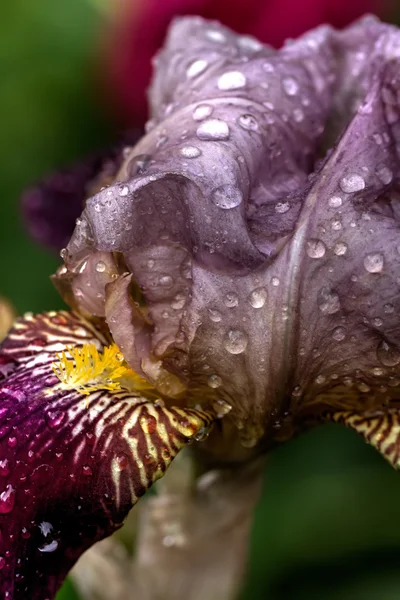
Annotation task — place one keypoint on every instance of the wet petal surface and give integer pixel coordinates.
(71, 465)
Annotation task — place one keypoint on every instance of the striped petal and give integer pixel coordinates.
(73, 459)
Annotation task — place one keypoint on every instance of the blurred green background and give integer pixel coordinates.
(327, 526)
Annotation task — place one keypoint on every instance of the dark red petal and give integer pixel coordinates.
(71, 466)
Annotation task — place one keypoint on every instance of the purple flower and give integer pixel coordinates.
(244, 261)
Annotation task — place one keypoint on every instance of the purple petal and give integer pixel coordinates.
(250, 242)
(71, 466)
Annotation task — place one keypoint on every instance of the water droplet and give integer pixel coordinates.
(2, 563)
(298, 115)
(63, 253)
(320, 379)
(179, 301)
(4, 467)
(385, 175)
(340, 249)
(231, 300)
(378, 372)
(336, 225)
(290, 86)
(123, 190)
(55, 418)
(335, 201)
(275, 281)
(387, 354)
(328, 301)
(339, 334)
(213, 129)
(87, 471)
(100, 266)
(389, 309)
(7, 500)
(165, 281)
(221, 407)
(190, 151)
(235, 341)
(363, 387)
(122, 461)
(202, 111)
(377, 322)
(215, 36)
(352, 183)
(51, 547)
(197, 67)
(282, 207)
(247, 121)
(12, 441)
(258, 297)
(227, 196)
(214, 381)
(215, 316)
(373, 262)
(139, 163)
(315, 248)
(232, 80)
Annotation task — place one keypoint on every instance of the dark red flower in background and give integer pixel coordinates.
(140, 28)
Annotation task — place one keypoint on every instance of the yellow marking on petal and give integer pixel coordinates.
(85, 369)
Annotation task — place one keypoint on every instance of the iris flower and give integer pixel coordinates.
(235, 282)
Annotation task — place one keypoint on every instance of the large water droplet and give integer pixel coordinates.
(139, 163)
(190, 151)
(232, 80)
(55, 418)
(385, 175)
(213, 129)
(7, 500)
(374, 262)
(235, 341)
(290, 86)
(100, 266)
(197, 67)
(328, 301)
(315, 248)
(215, 36)
(4, 467)
(387, 354)
(165, 281)
(352, 183)
(258, 297)
(227, 196)
(202, 111)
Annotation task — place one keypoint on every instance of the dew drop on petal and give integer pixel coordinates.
(215, 36)
(298, 115)
(320, 379)
(7, 500)
(315, 248)
(373, 262)
(227, 196)
(352, 183)
(282, 207)
(231, 299)
(231, 80)
(100, 266)
(165, 281)
(340, 249)
(385, 175)
(328, 301)
(275, 281)
(335, 201)
(215, 316)
(290, 86)
(4, 467)
(213, 129)
(235, 341)
(387, 354)
(202, 111)
(214, 381)
(51, 547)
(339, 334)
(189, 151)
(197, 67)
(258, 297)
(123, 190)
(247, 121)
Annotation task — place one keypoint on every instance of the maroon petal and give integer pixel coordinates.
(71, 466)
(51, 207)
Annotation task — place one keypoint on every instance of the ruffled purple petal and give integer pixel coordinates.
(71, 466)
(258, 216)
